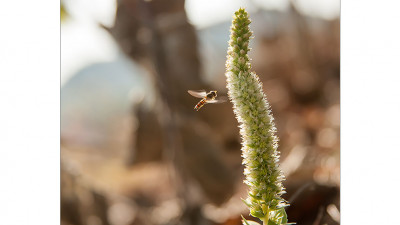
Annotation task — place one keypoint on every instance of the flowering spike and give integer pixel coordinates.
(257, 128)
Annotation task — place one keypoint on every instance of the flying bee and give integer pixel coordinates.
(206, 98)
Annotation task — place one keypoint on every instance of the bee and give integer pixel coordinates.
(206, 98)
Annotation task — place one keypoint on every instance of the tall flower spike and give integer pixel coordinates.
(257, 128)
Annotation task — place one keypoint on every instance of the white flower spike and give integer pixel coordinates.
(259, 142)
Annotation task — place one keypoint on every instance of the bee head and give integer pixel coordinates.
(212, 94)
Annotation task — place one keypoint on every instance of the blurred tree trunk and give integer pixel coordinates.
(157, 35)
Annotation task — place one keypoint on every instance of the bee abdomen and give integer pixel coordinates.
(200, 104)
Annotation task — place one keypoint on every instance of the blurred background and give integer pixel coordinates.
(133, 150)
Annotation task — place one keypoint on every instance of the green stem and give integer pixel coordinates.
(265, 220)
(266, 213)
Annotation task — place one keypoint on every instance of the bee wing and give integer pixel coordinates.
(216, 101)
(221, 99)
(198, 94)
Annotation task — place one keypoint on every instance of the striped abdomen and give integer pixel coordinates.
(200, 104)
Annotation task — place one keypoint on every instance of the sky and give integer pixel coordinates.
(83, 42)
(223, 10)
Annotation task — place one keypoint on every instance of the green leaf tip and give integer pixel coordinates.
(259, 142)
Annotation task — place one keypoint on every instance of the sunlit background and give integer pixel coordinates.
(132, 155)
(84, 42)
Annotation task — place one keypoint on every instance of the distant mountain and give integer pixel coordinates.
(98, 95)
